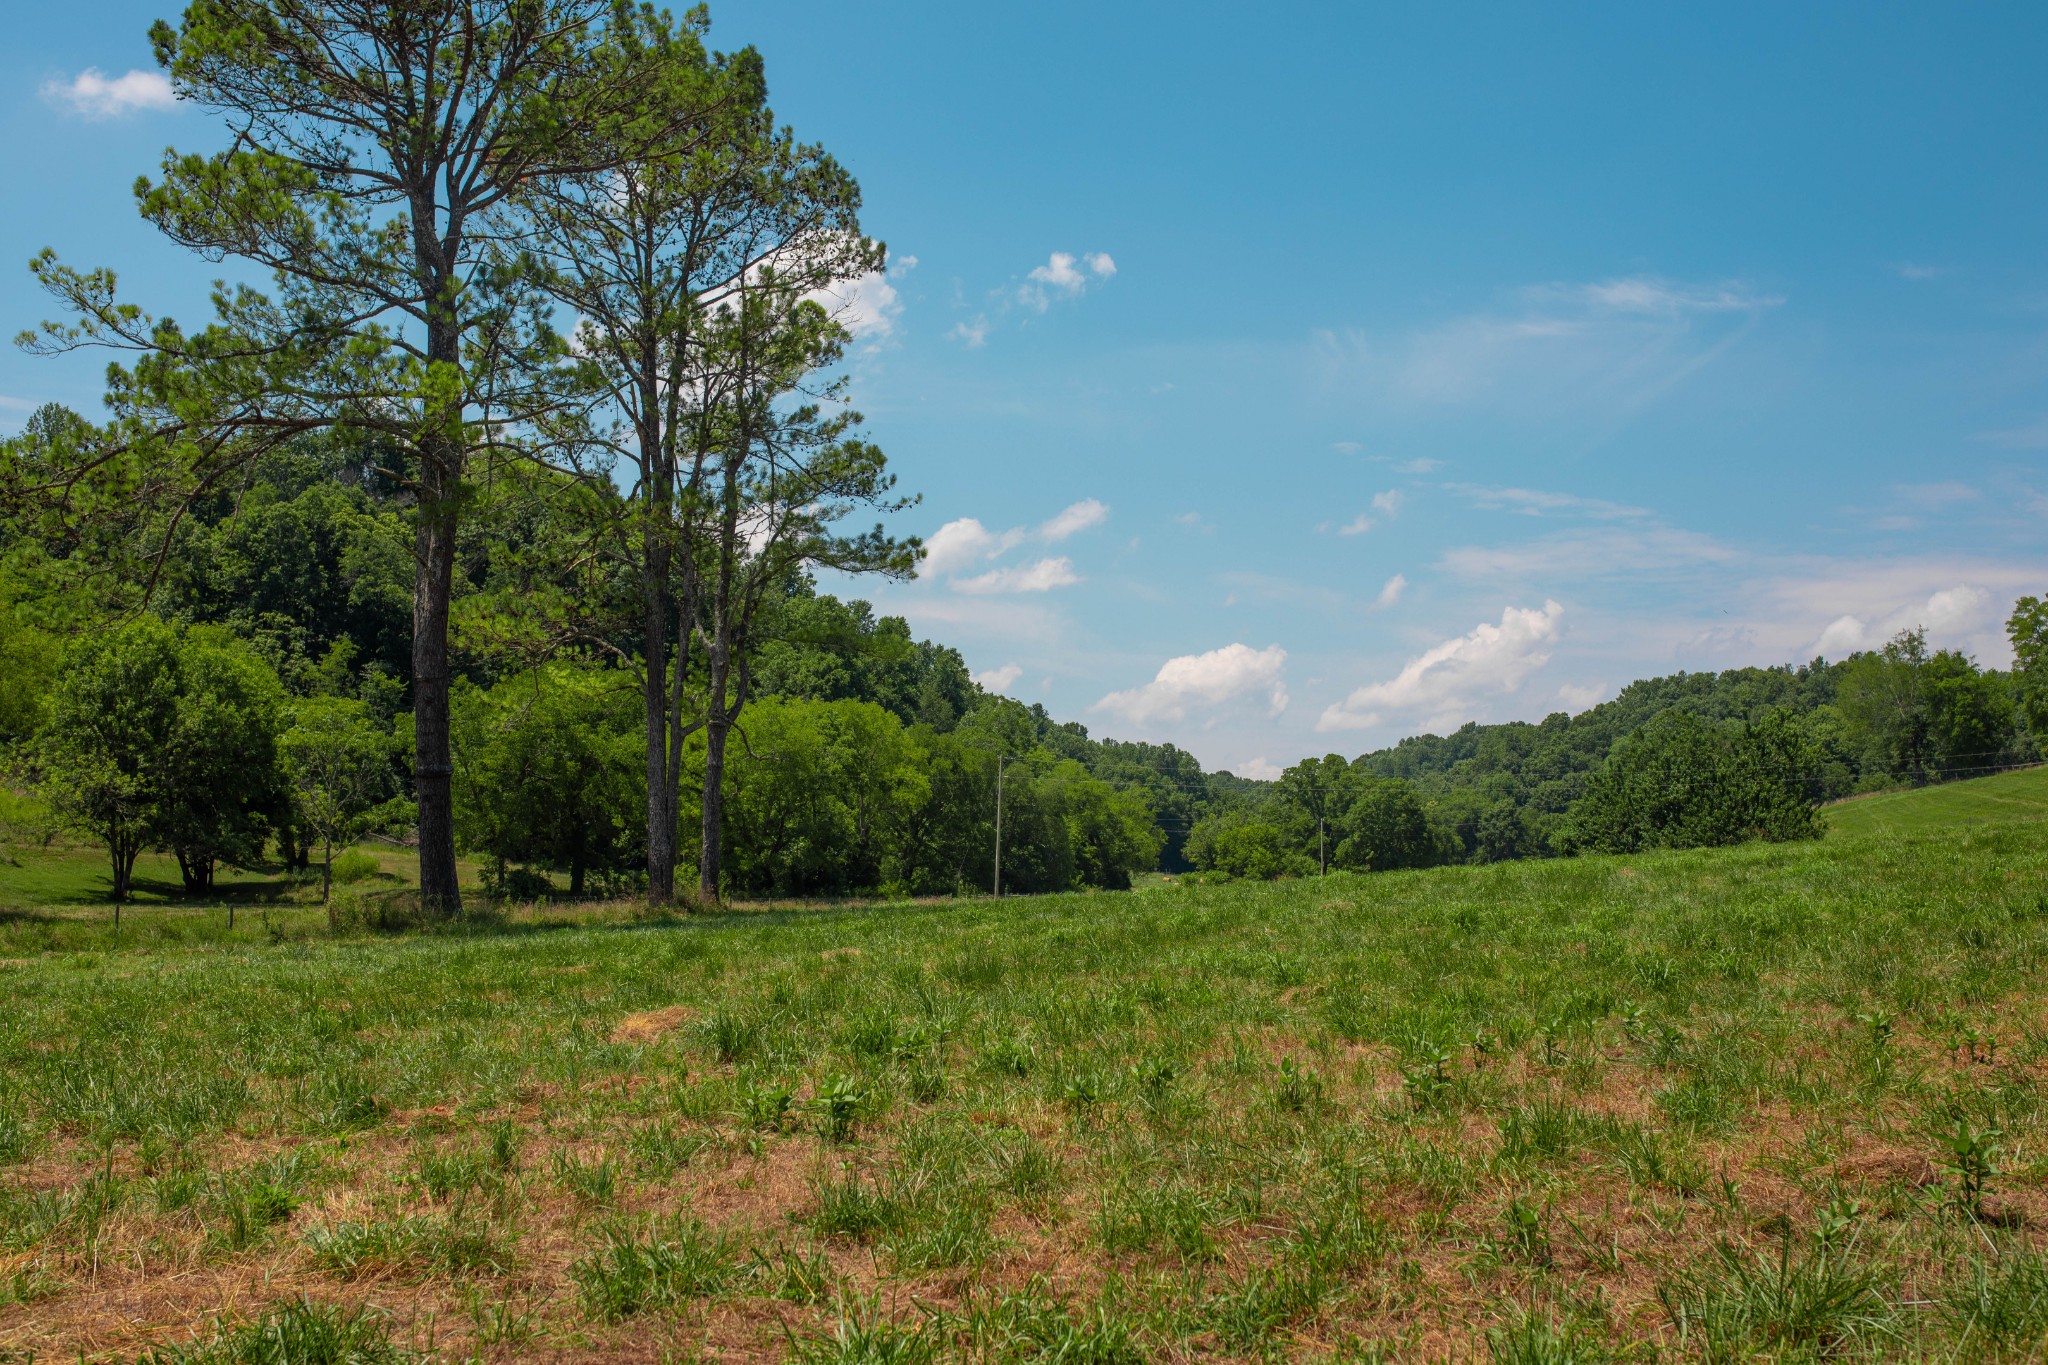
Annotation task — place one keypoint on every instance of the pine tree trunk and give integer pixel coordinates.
(433, 765)
(662, 781)
(711, 862)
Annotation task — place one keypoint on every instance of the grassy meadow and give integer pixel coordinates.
(1781, 1102)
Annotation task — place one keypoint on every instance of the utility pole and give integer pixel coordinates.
(997, 889)
(1322, 857)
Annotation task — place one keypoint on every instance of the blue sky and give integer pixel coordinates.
(1285, 379)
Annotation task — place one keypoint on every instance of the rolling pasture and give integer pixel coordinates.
(1778, 1101)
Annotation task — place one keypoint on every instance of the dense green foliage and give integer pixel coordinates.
(1681, 783)
(165, 738)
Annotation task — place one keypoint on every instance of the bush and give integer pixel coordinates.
(1239, 844)
(1680, 783)
(356, 866)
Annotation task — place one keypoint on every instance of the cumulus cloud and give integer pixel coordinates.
(1357, 526)
(869, 306)
(1387, 503)
(1259, 769)
(1948, 613)
(1579, 696)
(959, 544)
(1236, 672)
(1043, 576)
(1448, 682)
(999, 679)
(1391, 593)
(95, 95)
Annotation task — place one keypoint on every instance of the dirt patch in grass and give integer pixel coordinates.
(652, 1024)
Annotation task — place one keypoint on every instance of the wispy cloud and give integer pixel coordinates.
(1391, 593)
(1653, 295)
(973, 334)
(1079, 517)
(1538, 502)
(2032, 436)
(95, 95)
(1593, 552)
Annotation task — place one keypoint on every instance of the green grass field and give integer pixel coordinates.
(1779, 1102)
(2008, 798)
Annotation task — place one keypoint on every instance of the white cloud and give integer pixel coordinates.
(1579, 696)
(95, 95)
(1232, 673)
(1189, 519)
(1947, 613)
(1447, 683)
(12, 404)
(1079, 517)
(1062, 278)
(1043, 576)
(867, 307)
(971, 334)
(1909, 270)
(1391, 593)
(1423, 465)
(1387, 503)
(959, 543)
(1844, 635)
(999, 679)
(1258, 770)
(1058, 273)
(1357, 526)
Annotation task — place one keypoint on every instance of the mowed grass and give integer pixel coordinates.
(2007, 798)
(1772, 1102)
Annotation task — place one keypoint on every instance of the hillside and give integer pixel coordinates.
(2006, 799)
(1755, 1099)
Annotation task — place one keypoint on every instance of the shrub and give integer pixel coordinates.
(356, 866)
(1681, 783)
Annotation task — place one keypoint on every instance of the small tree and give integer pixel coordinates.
(225, 787)
(163, 739)
(337, 761)
(2027, 628)
(101, 759)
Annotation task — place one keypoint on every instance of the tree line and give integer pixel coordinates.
(1690, 760)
